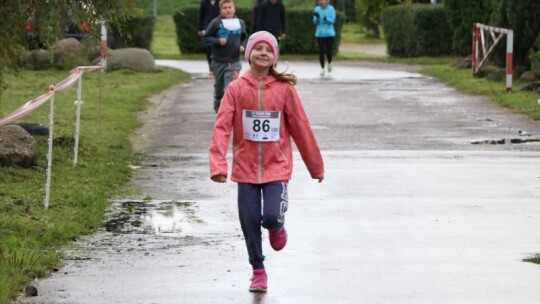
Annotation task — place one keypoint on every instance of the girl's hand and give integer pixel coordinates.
(219, 178)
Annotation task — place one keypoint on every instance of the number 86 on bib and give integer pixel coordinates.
(261, 126)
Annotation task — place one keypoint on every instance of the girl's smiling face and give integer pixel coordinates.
(262, 57)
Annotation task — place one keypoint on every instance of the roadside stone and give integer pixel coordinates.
(37, 60)
(17, 147)
(465, 63)
(68, 53)
(136, 59)
(532, 87)
(527, 76)
(30, 291)
(497, 75)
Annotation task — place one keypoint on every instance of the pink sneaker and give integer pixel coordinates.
(278, 238)
(259, 281)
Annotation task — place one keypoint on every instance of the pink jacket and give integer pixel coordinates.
(262, 162)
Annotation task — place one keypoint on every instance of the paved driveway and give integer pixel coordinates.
(430, 196)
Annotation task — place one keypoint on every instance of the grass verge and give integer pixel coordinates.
(164, 44)
(30, 236)
(519, 101)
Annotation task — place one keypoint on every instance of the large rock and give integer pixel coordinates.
(37, 60)
(68, 53)
(17, 147)
(137, 59)
(527, 76)
(531, 87)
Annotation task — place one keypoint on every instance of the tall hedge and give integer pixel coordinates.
(416, 30)
(300, 30)
(136, 31)
(534, 57)
(461, 16)
(523, 17)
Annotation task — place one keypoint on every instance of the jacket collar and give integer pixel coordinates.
(254, 80)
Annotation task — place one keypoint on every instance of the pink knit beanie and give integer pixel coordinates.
(262, 36)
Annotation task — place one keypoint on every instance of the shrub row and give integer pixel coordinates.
(520, 16)
(416, 30)
(136, 31)
(300, 30)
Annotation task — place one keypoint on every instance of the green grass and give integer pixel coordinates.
(164, 44)
(30, 236)
(521, 102)
(354, 33)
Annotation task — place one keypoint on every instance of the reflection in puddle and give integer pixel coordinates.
(167, 218)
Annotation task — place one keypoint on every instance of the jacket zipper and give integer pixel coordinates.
(259, 147)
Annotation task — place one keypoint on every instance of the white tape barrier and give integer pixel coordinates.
(27, 108)
(35, 103)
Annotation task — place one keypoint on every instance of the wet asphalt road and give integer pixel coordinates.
(410, 211)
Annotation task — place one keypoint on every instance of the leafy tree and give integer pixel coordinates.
(49, 19)
(369, 12)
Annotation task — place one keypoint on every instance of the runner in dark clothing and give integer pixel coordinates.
(208, 10)
(271, 18)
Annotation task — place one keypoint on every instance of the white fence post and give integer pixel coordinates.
(77, 123)
(49, 154)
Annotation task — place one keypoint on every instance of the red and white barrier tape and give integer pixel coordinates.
(35, 103)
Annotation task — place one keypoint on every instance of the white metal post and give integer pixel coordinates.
(509, 58)
(49, 154)
(103, 46)
(77, 123)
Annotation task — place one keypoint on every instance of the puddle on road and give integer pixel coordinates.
(164, 218)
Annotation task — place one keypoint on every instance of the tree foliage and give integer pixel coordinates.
(369, 12)
(50, 18)
(523, 18)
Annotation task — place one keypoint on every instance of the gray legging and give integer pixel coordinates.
(224, 73)
(261, 205)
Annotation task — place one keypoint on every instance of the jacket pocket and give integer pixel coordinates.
(284, 156)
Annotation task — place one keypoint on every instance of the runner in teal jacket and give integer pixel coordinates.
(324, 17)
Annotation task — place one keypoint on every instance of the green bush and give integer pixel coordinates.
(535, 57)
(300, 30)
(461, 16)
(134, 32)
(523, 18)
(416, 30)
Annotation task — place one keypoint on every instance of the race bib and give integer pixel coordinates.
(231, 24)
(261, 126)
